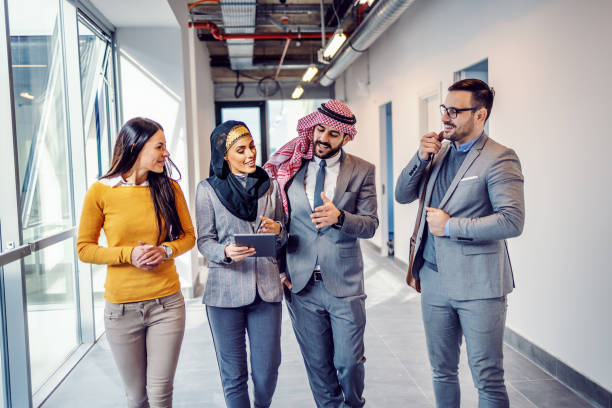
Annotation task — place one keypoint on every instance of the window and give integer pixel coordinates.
(98, 108)
(59, 110)
(45, 180)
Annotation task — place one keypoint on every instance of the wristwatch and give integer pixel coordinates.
(340, 221)
(168, 251)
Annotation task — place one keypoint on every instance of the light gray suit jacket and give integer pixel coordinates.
(486, 204)
(232, 284)
(338, 251)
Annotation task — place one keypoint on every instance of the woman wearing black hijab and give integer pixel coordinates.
(243, 292)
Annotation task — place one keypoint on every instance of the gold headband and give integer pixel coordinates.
(235, 133)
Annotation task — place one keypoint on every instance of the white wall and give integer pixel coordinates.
(549, 62)
(157, 82)
(200, 109)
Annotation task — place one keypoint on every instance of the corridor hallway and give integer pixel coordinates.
(397, 370)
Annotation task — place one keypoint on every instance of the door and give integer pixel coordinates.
(386, 174)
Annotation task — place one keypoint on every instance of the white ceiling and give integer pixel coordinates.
(136, 13)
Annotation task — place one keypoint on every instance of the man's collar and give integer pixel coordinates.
(467, 146)
(330, 161)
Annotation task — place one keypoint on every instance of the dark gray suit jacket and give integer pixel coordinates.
(486, 203)
(338, 250)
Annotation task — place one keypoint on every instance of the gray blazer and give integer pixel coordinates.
(486, 203)
(232, 284)
(338, 250)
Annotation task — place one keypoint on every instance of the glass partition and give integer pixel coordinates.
(52, 308)
(45, 182)
(98, 105)
(40, 114)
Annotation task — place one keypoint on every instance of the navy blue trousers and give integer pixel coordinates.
(262, 322)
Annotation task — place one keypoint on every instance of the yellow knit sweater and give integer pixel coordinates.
(127, 215)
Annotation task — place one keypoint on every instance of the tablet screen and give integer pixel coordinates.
(264, 244)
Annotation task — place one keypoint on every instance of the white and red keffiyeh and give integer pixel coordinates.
(287, 160)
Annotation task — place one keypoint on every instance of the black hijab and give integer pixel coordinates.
(240, 201)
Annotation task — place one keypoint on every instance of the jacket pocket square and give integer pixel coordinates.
(468, 178)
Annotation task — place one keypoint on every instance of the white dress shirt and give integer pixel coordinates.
(118, 181)
(332, 169)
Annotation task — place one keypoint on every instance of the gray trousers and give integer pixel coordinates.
(145, 339)
(482, 322)
(330, 332)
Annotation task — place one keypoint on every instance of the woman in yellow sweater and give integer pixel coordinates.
(147, 224)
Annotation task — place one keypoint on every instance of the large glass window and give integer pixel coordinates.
(51, 308)
(283, 117)
(40, 114)
(98, 106)
(39, 92)
(98, 103)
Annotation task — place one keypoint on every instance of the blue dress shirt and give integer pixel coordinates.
(463, 148)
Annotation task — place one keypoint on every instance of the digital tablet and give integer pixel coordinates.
(264, 244)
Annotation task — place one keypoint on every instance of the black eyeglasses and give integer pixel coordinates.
(452, 112)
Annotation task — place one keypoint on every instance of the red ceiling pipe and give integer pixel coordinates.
(214, 31)
(360, 12)
(197, 3)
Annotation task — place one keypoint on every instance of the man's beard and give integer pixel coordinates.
(330, 153)
(458, 133)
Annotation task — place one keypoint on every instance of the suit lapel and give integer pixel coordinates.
(298, 200)
(300, 192)
(344, 176)
(467, 162)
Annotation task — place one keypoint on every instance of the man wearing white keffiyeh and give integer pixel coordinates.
(330, 197)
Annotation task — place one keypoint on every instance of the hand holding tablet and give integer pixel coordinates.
(264, 244)
(237, 253)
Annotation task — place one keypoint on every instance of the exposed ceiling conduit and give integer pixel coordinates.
(216, 33)
(382, 15)
(280, 64)
(240, 51)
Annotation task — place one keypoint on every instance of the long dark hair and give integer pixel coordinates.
(130, 141)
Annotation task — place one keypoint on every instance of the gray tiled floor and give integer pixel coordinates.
(397, 369)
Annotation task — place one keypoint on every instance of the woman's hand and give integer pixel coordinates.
(147, 257)
(238, 253)
(269, 226)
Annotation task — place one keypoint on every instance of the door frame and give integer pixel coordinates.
(263, 120)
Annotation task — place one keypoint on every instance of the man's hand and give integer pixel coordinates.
(147, 257)
(269, 226)
(238, 253)
(430, 144)
(436, 219)
(326, 214)
(285, 281)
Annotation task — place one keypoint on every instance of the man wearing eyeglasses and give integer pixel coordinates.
(474, 202)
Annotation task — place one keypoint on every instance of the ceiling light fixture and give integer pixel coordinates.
(26, 95)
(334, 44)
(29, 66)
(310, 73)
(297, 92)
